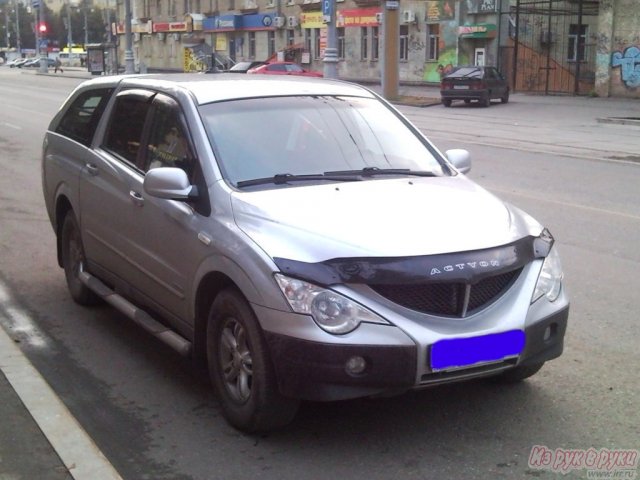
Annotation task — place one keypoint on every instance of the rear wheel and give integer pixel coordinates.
(467, 101)
(73, 261)
(486, 101)
(518, 374)
(446, 102)
(505, 98)
(240, 367)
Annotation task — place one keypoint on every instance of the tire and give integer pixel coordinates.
(73, 261)
(446, 102)
(467, 101)
(240, 367)
(518, 374)
(486, 101)
(505, 98)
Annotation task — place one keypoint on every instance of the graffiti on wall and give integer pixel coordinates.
(629, 63)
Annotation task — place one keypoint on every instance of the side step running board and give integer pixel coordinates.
(142, 318)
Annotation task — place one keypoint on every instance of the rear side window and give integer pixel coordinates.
(127, 123)
(80, 120)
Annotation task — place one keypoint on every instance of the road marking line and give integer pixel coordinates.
(15, 127)
(81, 456)
(565, 204)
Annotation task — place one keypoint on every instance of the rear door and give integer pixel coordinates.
(106, 184)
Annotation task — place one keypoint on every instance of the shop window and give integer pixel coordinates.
(404, 43)
(340, 32)
(252, 44)
(316, 38)
(576, 44)
(433, 41)
(364, 43)
(271, 42)
(375, 43)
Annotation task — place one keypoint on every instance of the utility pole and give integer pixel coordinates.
(69, 34)
(86, 30)
(331, 49)
(6, 25)
(42, 46)
(390, 51)
(128, 52)
(18, 41)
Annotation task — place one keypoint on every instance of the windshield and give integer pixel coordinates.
(309, 135)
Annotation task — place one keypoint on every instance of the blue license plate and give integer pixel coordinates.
(466, 352)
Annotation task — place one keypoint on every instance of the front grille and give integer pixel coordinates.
(449, 299)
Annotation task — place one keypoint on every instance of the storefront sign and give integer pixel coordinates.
(194, 22)
(480, 6)
(441, 10)
(135, 28)
(312, 20)
(170, 27)
(223, 23)
(257, 21)
(359, 17)
(481, 30)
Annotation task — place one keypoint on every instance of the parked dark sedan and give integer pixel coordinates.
(474, 83)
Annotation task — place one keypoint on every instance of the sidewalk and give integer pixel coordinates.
(39, 438)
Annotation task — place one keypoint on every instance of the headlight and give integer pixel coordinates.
(550, 278)
(332, 312)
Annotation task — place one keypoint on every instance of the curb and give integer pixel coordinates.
(80, 455)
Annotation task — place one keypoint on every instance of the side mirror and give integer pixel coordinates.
(461, 159)
(169, 183)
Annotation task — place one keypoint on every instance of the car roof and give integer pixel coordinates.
(214, 88)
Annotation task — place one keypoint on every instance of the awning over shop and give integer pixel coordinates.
(479, 30)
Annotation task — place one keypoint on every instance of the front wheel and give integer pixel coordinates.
(73, 261)
(240, 367)
(486, 101)
(505, 98)
(446, 102)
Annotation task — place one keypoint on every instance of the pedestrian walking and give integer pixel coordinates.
(58, 66)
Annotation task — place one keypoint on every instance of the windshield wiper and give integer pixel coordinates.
(282, 178)
(373, 171)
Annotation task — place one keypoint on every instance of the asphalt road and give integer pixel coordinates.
(154, 417)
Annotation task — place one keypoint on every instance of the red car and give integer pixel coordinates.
(284, 68)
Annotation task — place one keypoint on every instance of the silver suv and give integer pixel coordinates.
(300, 237)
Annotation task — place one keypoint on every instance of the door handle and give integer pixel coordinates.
(136, 198)
(92, 169)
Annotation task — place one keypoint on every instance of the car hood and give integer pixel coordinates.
(378, 218)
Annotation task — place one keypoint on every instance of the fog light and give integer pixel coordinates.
(355, 365)
(547, 334)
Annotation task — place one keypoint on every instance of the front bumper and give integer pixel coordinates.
(313, 370)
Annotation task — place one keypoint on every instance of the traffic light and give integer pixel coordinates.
(42, 28)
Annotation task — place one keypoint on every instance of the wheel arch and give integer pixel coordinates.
(208, 288)
(63, 206)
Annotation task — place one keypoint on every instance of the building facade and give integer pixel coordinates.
(550, 46)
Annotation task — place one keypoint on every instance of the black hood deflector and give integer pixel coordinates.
(461, 267)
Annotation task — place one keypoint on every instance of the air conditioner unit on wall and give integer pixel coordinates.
(292, 21)
(379, 17)
(408, 16)
(278, 22)
(547, 37)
